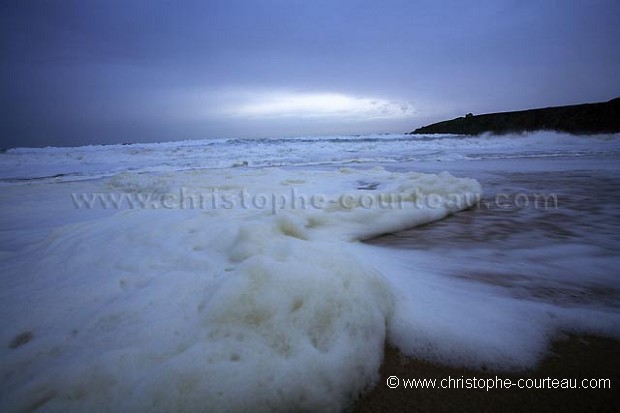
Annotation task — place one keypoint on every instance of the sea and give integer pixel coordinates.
(269, 274)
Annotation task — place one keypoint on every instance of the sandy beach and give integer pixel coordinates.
(586, 210)
(235, 206)
(575, 357)
(110, 306)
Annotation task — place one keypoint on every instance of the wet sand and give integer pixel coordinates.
(573, 357)
(587, 213)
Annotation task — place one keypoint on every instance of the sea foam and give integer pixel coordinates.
(235, 308)
(244, 289)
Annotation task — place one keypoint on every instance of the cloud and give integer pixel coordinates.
(328, 105)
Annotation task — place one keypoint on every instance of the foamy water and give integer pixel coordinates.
(91, 162)
(182, 277)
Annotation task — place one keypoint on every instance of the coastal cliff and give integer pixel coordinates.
(590, 118)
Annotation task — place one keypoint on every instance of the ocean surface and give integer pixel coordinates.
(268, 274)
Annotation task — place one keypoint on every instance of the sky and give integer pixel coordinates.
(78, 72)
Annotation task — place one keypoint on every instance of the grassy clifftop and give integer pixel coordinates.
(587, 118)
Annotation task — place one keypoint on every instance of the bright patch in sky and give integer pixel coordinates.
(318, 105)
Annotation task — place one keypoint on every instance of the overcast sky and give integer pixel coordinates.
(83, 72)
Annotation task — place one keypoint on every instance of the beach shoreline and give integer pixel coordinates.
(109, 307)
(570, 357)
(584, 213)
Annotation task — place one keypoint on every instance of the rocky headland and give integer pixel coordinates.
(590, 118)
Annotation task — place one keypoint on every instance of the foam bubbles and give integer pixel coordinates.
(212, 309)
(240, 305)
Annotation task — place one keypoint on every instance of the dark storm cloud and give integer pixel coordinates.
(78, 72)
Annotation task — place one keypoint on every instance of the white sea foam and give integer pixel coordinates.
(447, 319)
(247, 307)
(210, 310)
(20, 165)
